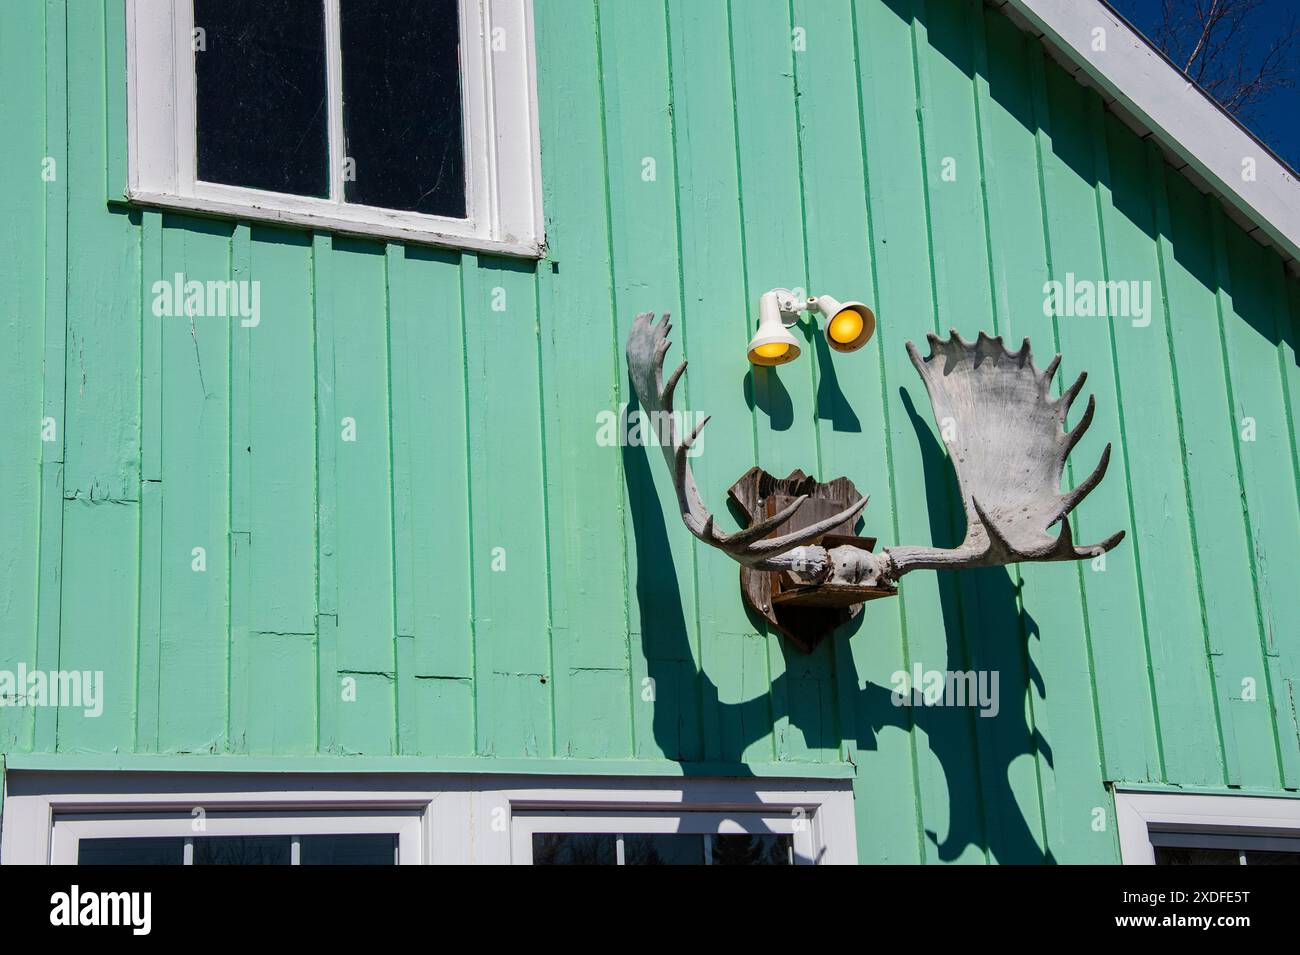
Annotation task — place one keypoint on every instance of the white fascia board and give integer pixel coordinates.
(1179, 114)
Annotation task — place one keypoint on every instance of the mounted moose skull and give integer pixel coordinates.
(1008, 444)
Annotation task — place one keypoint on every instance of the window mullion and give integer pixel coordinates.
(334, 86)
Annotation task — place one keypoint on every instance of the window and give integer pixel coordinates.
(663, 838)
(1189, 829)
(226, 837)
(407, 119)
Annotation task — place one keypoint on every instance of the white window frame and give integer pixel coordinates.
(819, 816)
(447, 817)
(68, 829)
(503, 194)
(1262, 822)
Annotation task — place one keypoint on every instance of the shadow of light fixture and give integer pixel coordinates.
(849, 325)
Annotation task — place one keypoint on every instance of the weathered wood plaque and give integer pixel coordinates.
(806, 611)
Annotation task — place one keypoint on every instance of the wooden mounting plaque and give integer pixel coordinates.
(805, 612)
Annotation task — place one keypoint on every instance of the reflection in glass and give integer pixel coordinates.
(759, 848)
(364, 848)
(262, 108)
(242, 850)
(574, 848)
(154, 850)
(402, 105)
(1180, 855)
(1272, 858)
(663, 848)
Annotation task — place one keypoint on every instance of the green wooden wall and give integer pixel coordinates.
(609, 640)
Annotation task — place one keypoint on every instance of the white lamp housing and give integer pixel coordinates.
(849, 325)
(773, 344)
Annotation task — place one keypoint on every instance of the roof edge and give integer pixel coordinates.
(1184, 119)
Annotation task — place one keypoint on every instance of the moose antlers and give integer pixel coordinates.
(1005, 434)
(646, 347)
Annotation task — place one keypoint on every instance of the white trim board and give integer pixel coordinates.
(1136, 79)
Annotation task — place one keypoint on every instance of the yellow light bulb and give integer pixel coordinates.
(846, 326)
(771, 350)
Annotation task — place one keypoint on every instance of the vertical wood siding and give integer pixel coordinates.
(496, 583)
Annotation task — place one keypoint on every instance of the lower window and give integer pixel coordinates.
(1157, 828)
(199, 838)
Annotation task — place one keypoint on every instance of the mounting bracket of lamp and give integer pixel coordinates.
(849, 325)
(788, 305)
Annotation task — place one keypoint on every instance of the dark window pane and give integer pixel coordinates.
(574, 848)
(263, 112)
(242, 850)
(752, 849)
(360, 849)
(152, 850)
(1179, 855)
(401, 105)
(644, 848)
(1272, 858)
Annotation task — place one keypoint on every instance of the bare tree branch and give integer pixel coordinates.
(1209, 39)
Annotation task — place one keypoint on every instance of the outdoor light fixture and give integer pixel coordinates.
(772, 344)
(849, 325)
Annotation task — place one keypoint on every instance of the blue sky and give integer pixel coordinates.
(1276, 119)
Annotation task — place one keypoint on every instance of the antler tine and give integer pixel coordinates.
(805, 535)
(1049, 373)
(1096, 550)
(666, 393)
(1084, 487)
(1067, 397)
(1074, 434)
(767, 525)
(1065, 548)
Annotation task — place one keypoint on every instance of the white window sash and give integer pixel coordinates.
(499, 108)
(69, 829)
